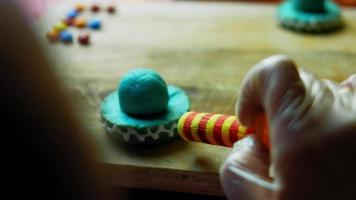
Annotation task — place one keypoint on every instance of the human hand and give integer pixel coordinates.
(312, 125)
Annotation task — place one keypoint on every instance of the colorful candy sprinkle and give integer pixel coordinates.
(94, 24)
(84, 39)
(53, 36)
(79, 7)
(111, 9)
(60, 27)
(60, 32)
(68, 21)
(80, 22)
(95, 8)
(73, 14)
(66, 37)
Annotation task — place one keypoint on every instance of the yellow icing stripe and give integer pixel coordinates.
(195, 125)
(242, 132)
(225, 132)
(181, 125)
(209, 129)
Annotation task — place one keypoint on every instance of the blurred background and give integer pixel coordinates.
(37, 7)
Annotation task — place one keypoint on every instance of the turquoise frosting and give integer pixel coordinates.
(143, 93)
(309, 5)
(309, 15)
(178, 104)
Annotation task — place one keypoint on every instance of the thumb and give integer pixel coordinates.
(244, 175)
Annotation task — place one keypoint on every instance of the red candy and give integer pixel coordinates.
(111, 9)
(84, 39)
(68, 21)
(95, 8)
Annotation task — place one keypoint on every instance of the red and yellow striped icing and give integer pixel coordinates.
(217, 129)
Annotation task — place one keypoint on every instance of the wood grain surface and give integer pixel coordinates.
(205, 48)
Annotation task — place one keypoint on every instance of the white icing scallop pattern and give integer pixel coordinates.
(310, 25)
(141, 137)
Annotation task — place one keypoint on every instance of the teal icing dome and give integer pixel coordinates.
(143, 93)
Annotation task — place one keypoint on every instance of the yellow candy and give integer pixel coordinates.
(79, 7)
(60, 27)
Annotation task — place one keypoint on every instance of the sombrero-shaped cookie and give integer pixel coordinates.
(309, 15)
(144, 110)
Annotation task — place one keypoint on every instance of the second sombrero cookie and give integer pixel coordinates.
(314, 16)
(144, 110)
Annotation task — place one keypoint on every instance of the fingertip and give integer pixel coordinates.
(278, 59)
(279, 63)
(255, 86)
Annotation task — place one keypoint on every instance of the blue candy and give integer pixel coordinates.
(72, 14)
(94, 24)
(66, 37)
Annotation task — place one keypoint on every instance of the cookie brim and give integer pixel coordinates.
(143, 137)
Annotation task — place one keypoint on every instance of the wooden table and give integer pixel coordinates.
(205, 48)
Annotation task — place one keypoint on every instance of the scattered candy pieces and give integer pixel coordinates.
(53, 36)
(79, 7)
(66, 37)
(73, 14)
(84, 39)
(111, 9)
(94, 24)
(80, 22)
(60, 27)
(60, 30)
(95, 8)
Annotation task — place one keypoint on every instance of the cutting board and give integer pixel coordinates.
(206, 49)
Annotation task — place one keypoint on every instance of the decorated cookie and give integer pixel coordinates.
(144, 110)
(309, 15)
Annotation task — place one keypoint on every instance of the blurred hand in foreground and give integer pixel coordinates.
(312, 125)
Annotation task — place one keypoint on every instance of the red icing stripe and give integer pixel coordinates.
(201, 128)
(218, 129)
(233, 131)
(186, 128)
